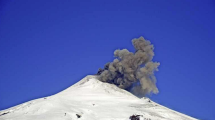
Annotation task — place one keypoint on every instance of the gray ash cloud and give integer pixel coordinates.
(133, 71)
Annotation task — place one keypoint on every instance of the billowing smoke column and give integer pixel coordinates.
(133, 71)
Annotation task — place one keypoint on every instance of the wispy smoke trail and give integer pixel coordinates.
(133, 71)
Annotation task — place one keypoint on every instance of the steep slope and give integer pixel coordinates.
(90, 99)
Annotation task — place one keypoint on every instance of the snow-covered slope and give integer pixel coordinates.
(90, 99)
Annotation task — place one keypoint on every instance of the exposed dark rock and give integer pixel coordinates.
(135, 117)
(4, 113)
(78, 116)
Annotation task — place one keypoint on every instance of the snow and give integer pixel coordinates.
(91, 99)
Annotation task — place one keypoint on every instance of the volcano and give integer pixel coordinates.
(91, 99)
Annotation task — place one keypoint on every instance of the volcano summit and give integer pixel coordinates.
(91, 99)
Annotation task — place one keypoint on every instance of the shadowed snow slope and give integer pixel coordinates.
(90, 99)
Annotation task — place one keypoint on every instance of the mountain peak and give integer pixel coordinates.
(91, 85)
(91, 99)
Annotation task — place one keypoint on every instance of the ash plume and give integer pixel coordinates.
(133, 71)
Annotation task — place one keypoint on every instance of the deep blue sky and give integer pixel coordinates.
(46, 46)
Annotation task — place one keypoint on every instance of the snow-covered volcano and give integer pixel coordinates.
(90, 99)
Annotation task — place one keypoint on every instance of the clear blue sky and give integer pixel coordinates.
(46, 46)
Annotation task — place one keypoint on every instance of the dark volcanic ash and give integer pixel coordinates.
(133, 71)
